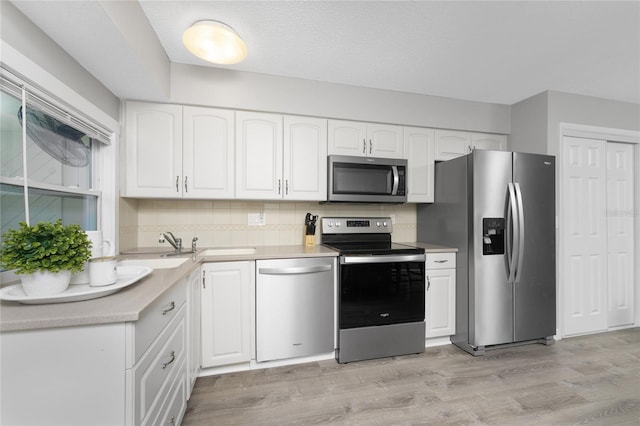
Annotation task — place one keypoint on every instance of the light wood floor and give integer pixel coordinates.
(581, 380)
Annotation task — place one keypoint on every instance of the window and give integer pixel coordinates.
(48, 162)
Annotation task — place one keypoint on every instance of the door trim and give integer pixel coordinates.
(612, 135)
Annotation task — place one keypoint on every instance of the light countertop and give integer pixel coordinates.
(130, 303)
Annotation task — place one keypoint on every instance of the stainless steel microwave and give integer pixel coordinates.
(366, 180)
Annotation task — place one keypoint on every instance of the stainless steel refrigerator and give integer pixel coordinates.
(498, 209)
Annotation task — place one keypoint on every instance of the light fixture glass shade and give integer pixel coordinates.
(214, 42)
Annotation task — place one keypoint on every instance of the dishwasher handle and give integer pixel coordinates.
(294, 270)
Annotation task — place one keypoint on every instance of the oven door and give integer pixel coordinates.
(381, 290)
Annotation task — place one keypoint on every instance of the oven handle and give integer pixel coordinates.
(294, 270)
(383, 259)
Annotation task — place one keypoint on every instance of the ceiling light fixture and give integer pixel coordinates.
(214, 42)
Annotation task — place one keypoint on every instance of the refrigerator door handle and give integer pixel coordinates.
(521, 231)
(512, 237)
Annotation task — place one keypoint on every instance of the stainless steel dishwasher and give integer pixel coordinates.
(295, 307)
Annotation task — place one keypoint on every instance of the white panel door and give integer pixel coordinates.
(620, 233)
(451, 144)
(584, 236)
(440, 302)
(419, 150)
(208, 157)
(226, 313)
(305, 158)
(153, 150)
(258, 156)
(347, 138)
(385, 141)
(489, 141)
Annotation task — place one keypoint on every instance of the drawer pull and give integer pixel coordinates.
(173, 358)
(171, 307)
(441, 261)
(172, 420)
(428, 283)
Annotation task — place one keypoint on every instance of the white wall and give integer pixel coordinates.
(529, 125)
(21, 37)
(251, 91)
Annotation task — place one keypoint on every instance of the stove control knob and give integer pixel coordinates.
(329, 224)
(338, 224)
(378, 224)
(384, 224)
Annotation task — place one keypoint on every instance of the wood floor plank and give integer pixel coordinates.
(591, 379)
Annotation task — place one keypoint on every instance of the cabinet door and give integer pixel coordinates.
(488, 141)
(440, 316)
(258, 156)
(208, 153)
(347, 138)
(305, 158)
(384, 141)
(226, 313)
(451, 144)
(153, 150)
(193, 327)
(419, 150)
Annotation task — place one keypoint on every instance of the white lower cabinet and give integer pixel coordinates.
(440, 302)
(127, 373)
(228, 294)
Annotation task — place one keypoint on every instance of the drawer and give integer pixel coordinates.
(175, 405)
(157, 369)
(441, 261)
(154, 319)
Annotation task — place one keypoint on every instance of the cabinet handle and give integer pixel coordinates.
(185, 184)
(370, 146)
(279, 186)
(440, 261)
(172, 420)
(428, 283)
(470, 149)
(171, 307)
(177, 183)
(364, 146)
(286, 187)
(172, 358)
(204, 283)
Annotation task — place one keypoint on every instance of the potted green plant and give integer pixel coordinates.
(45, 255)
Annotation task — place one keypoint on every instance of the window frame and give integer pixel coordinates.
(104, 180)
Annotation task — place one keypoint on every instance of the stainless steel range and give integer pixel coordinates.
(381, 289)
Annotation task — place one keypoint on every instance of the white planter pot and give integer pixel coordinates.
(44, 283)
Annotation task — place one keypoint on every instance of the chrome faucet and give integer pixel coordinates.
(174, 241)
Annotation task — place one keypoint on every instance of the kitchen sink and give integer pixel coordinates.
(158, 263)
(228, 251)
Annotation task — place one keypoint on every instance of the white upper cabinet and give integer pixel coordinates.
(419, 150)
(451, 144)
(365, 139)
(207, 153)
(153, 150)
(489, 141)
(258, 156)
(178, 152)
(274, 164)
(305, 158)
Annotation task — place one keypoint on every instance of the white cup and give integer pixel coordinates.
(99, 247)
(102, 271)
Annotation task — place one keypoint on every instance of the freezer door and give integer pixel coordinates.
(535, 284)
(490, 295)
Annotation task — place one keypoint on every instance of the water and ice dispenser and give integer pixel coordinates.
(492, 235)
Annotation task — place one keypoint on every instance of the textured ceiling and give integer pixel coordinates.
(500, 52)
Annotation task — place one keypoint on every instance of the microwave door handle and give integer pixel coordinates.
(396, 180)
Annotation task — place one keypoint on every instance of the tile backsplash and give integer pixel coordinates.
(225, 223)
